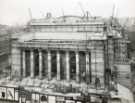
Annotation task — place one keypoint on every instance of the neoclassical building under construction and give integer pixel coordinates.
(71, 48)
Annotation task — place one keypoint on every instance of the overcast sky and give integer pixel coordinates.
(16, 11)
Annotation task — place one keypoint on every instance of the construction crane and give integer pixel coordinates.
(80, 5)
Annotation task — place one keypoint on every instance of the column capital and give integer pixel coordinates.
(48, 50)
(23, 49)
(39, 50)
(76, 51)
(87, 52)
(67, 50)
(31, 49)
(57, 51)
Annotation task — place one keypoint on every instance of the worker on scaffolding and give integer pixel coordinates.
(114, 77)
(97, 82)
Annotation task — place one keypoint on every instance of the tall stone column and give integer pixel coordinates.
(58, 65)
(87, 67)
(67, 66)
(40, 64)
(77, 66)
(32, 63)
(16, 62)
(49, 65)
(23, 63)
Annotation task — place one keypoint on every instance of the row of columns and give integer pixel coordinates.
(49, 64)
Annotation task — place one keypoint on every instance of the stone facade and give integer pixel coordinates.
(75, 49)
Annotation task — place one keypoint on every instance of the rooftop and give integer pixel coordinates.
(68, 28)
(68, 19)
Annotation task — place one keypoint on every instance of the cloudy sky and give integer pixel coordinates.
(16, 11)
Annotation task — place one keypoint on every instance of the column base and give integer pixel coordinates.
(40, 77)
(58, 79)
(49, 79)
(32, 77)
